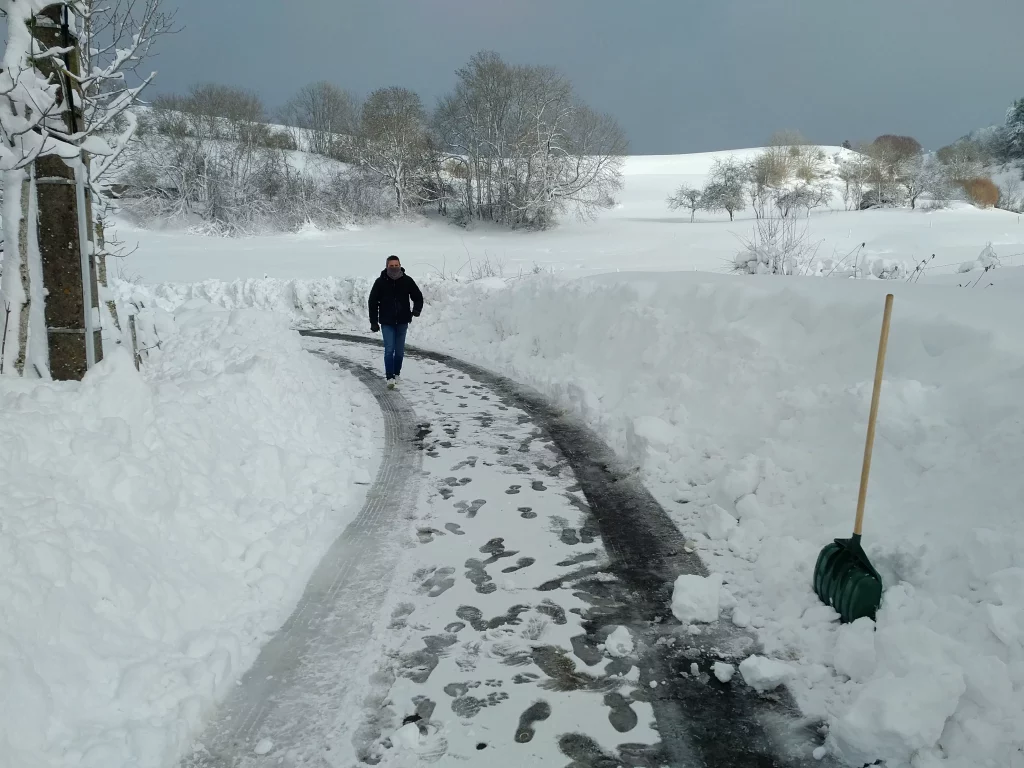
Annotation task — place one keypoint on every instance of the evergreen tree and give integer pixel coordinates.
(1015, 130)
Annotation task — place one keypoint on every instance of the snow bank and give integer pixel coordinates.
(155, 527)
(329, 302)
(744, 401)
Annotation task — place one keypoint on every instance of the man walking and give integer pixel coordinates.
(391, 314)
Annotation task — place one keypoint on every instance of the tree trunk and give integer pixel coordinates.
(60, 245)
(26, 279)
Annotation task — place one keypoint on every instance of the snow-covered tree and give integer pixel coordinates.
(687, 197)
(854, 171)
(724, 190)
(924, 174)
(962, 160)
(66, 109)
(393, 142)
(1014, 131)
(524, 145)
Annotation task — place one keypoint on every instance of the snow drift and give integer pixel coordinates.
(156, 526)
(745, 401)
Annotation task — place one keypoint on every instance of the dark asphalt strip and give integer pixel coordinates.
(701, 721)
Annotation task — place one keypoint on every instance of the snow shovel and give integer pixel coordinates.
(843, 576)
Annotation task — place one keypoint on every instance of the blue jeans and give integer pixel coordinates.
(394, 348)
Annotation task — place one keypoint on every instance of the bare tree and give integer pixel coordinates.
(964, 159)
(328, 115)
(1011, 197)
(687, 197)
(790, 199)
(854, 171)
(923, 174)
(393, 142)
(891, 157)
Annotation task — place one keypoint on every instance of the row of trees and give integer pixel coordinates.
(788, 176)
(511, 144)
(791, 176)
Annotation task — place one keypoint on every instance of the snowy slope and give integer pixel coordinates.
(745, 400)
(155, 527)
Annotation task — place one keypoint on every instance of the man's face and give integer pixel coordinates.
(394, 267)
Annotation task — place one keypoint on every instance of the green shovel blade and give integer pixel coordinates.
(846, 580)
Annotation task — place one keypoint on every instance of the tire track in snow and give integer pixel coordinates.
(295, 693)
(701, 722)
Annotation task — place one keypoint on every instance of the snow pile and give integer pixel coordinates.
(328, 302)
(155, 527)
(744, 401)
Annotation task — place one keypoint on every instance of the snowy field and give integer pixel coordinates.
(640, 233)
(742, 400)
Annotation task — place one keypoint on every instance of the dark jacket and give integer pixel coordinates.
(389, 300)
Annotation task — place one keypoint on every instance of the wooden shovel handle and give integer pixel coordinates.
(883, 343)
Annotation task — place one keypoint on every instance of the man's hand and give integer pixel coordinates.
(374, 328)
(415, 314)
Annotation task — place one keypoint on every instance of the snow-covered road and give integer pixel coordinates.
(504, 598)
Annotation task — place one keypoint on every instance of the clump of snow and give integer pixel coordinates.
(753, 395)
(718, 523)
(763, 674)
(855, 650)
(724, 672)
(619, 643)
(157, 525)
(696, 598)
(407, 737)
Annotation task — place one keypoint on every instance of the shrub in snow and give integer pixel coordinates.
(987, 260)
(981, 191)
(779, 246)
(695, 599)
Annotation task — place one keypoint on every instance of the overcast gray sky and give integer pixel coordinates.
(680, 75)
